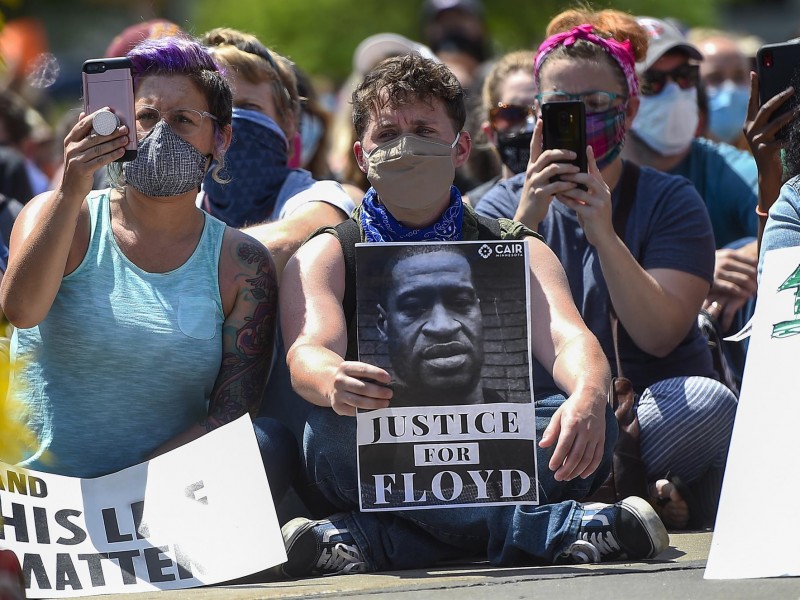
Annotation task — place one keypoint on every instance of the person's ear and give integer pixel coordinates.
(382, 324)
(223, 141)
(489, 132)
(631, 111)
(358, 150)
(462, 149)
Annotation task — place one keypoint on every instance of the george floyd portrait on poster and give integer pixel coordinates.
(449, 322)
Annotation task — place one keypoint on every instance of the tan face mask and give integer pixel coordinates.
(409, 170)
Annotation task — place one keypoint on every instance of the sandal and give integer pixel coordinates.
(675, 504)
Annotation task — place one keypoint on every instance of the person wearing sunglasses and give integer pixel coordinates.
(665, 252)
(665, 136)
(508, 96)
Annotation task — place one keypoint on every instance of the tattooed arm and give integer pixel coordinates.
(249, 291)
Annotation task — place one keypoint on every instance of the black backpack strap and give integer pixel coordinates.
(628, 182)
(629, 179)
(349, 234)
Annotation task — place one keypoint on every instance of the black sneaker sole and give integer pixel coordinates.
(658, 537)
(301, 550)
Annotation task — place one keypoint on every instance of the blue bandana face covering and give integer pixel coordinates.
(255, 167)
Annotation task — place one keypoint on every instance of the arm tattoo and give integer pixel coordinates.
(248, 340)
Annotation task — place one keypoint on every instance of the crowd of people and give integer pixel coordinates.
(227, 245)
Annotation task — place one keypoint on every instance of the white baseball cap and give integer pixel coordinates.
(662, 37)
(378, 47)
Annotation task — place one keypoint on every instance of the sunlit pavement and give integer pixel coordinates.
(676, 573)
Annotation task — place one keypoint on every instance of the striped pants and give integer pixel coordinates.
(686, 425)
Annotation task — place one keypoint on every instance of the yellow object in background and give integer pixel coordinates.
(15, 437)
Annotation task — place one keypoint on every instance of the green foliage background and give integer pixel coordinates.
(321, 35)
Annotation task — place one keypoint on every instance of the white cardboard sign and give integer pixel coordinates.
(756, 533)
(198, 515)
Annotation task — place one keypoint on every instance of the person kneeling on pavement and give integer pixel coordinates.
(409, 111)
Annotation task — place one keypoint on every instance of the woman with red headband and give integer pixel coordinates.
(651, 266)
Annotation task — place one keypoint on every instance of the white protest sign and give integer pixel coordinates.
(755, 534)
(198, 515)
(449, 321)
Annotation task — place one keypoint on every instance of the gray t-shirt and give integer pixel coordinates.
(668, 228)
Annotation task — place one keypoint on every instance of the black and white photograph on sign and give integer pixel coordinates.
(449, 322)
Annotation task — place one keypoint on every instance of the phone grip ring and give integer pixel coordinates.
(105, 122)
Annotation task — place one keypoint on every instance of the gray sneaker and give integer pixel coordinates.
(627, 530)
(324, 547)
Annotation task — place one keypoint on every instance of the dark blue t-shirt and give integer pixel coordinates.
(727, 179)
(668, 228)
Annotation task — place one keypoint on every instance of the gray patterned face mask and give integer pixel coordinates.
(166, 164)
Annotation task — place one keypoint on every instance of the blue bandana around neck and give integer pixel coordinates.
(380, 226)
(256, 167)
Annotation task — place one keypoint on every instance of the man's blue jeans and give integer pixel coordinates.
(507, 535)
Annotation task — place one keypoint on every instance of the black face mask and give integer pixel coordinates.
(515, 149)
(455, 41)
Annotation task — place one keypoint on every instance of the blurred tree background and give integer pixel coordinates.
(321, 35)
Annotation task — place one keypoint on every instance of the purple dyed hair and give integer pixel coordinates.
(180, 55)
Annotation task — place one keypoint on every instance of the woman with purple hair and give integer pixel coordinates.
(142, 322)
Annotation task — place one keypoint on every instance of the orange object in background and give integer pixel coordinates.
(22, 42)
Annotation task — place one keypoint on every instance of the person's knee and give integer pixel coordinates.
(279, 454)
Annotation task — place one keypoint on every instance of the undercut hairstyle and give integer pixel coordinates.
(183, 56)
(610, 24)
(245, 55)
(401, 80)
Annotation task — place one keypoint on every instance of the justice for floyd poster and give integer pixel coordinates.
(449, 321)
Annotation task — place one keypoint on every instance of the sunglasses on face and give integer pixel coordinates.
(504, 117)
(653, 82)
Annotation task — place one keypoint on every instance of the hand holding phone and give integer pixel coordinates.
(778, 67)
(564, 128)
(109, 82)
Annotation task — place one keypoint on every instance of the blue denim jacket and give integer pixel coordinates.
(783, 226)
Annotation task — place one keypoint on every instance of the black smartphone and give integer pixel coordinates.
(778, 67)
(109, 82)
(564, 128)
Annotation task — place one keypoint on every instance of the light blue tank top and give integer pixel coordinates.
(125, 359)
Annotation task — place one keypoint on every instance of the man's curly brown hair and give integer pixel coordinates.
(405, 79)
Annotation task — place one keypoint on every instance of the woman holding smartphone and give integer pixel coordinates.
(142, 322)
(655, 275)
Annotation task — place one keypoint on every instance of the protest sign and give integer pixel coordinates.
(450, 323)
(198, 515)
(755, 535)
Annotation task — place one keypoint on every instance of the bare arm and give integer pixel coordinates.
(315, 331)
(248, 285)
(563, 344)
(666, 301)
(44, 244)
(284, 237)
(760, 134)
(735, 281)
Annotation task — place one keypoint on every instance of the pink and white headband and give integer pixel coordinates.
(621, 52)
